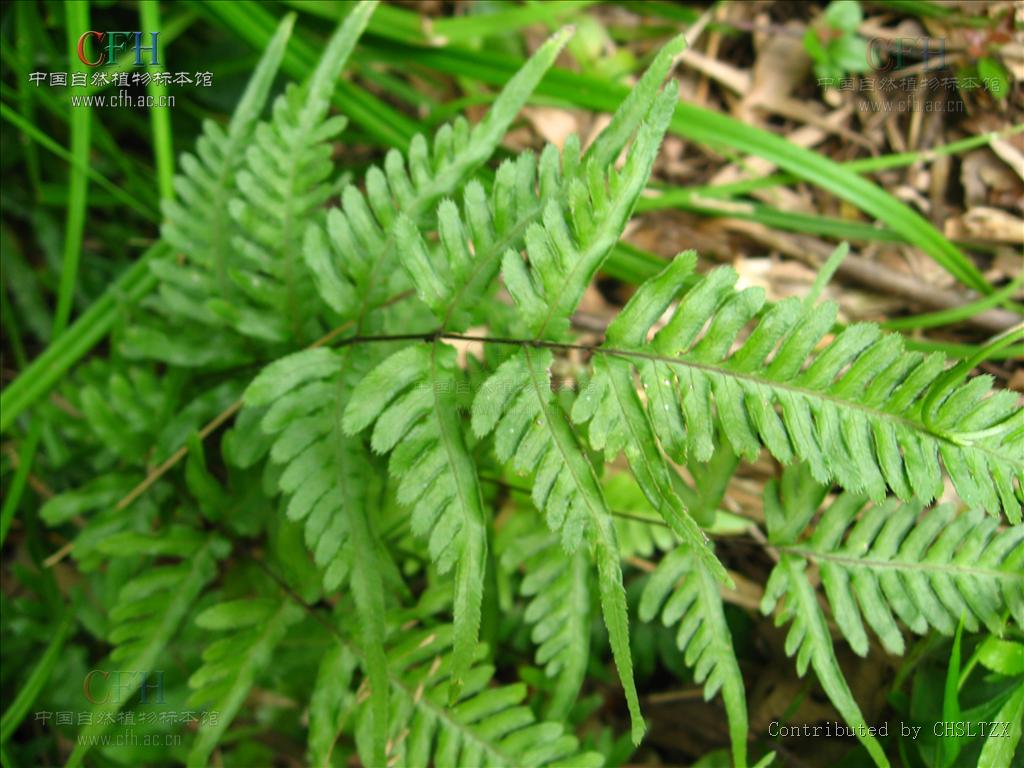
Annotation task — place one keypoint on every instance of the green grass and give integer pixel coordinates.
(160, 117)
(40, 675)
(956, 314)
(143, 207)
(78, 182)
(92, 326)
(77, 208)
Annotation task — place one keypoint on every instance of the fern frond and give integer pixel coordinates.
(489, 725)
(150, 610)
(451, 278)
(809, 640)
(559, 593)
(353, 258)
(635, 107)
(231, 664)
(299, 395)
(329, 703)
(533, 432)
(331, 486)
(197, 225)
(891, 561)
(859, 409)
(566, 251)
(405, 398)
(282, 186)
(532, 429)
(618, 422)
(687, 595)
(194, 222)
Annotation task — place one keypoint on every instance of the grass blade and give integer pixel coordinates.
(40, 138)
(91, 326)
(78, 184)
(36, 680)
(159, 116)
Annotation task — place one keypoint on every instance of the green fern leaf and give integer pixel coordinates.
(301, 399)
(355, 254)
(449, 279)
(853, 409)
(606, 147)
(489, 725)
(331, 486)
(809, 639)
(563, 261)
(404, 397)
(559, 594)
(618, 422)
(928, 569)
(687, 595)
(197, 226)
(534, 433)
(639, 529)
(231, 664)
(282, 185)
(150, 610)
(890, 561)
(452, 278)
(330, 702)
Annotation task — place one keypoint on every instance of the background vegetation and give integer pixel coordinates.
(777, 152)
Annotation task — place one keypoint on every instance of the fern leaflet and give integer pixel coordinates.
(559, 594)
(358, 247)
(231, 664)
(404, 397)
(489, 725)
(282, 185)
(855, 409)
(198, 227)
(150, 610)
(809, 639)
(330, 702)
(891, 560)
(331, 485)
(687, 594)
